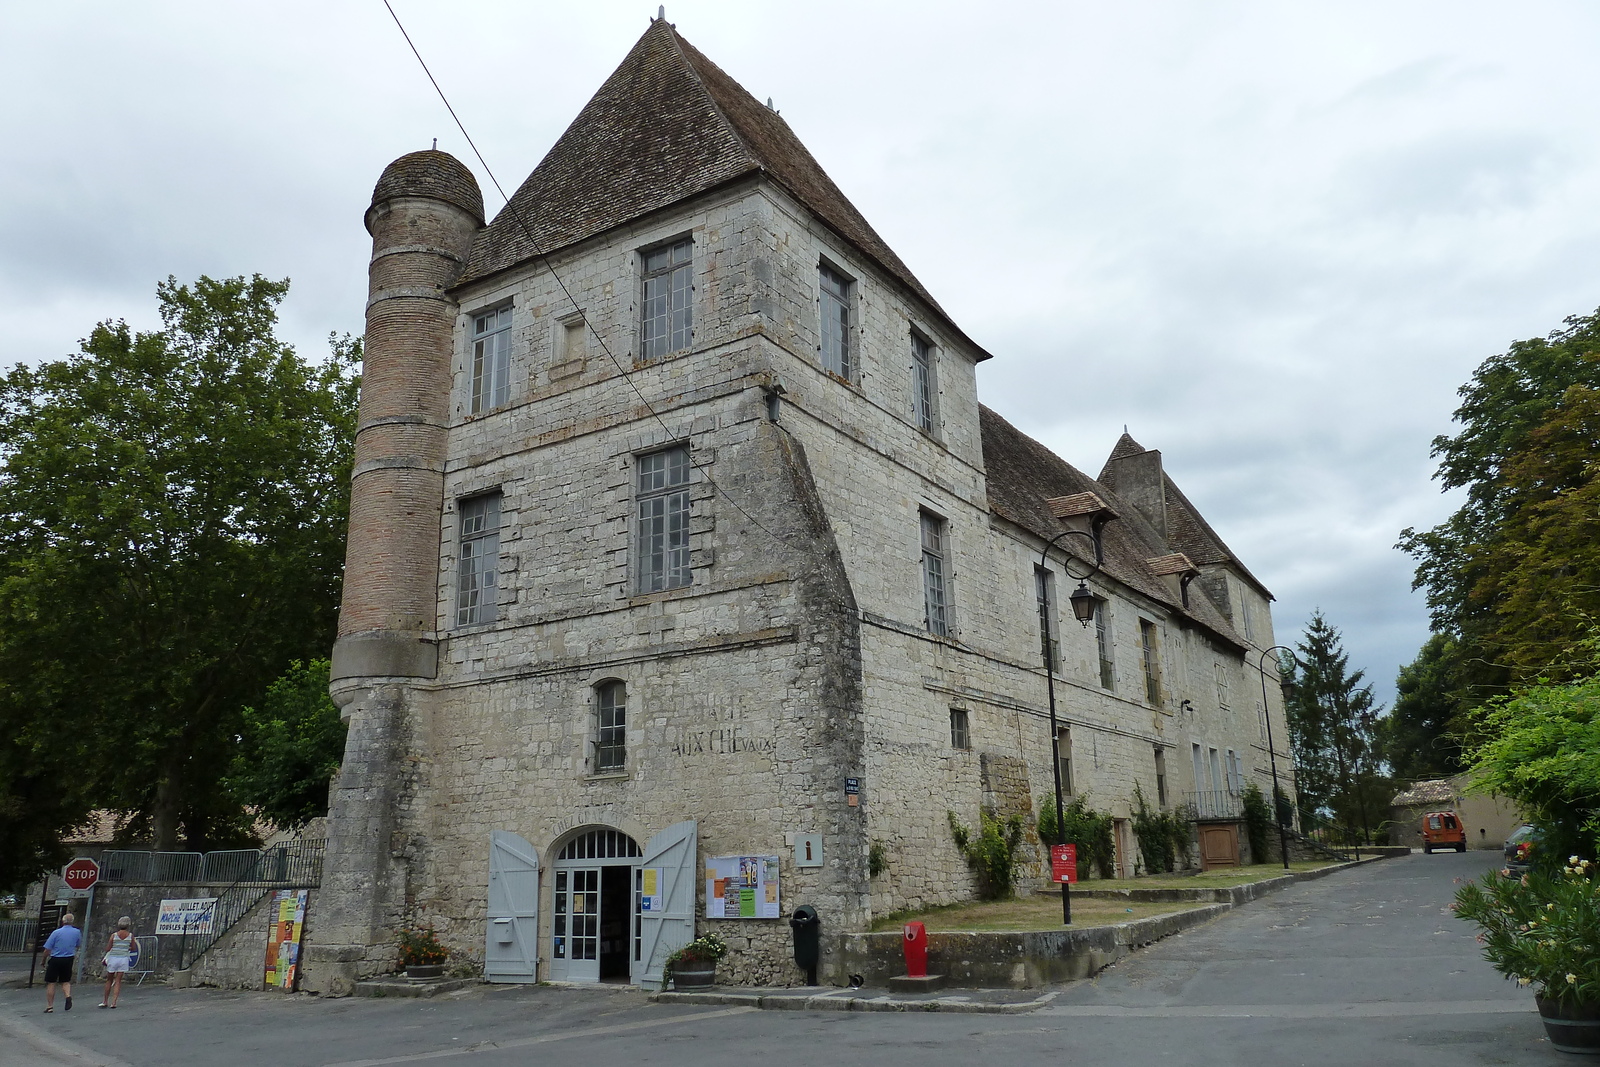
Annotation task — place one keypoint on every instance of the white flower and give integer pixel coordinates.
(1574, 860)
(1572, 979)
(1524, 981)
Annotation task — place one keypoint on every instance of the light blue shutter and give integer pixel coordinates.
(512, 950)
(675, 853)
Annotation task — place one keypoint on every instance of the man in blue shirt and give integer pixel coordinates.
(60, 953)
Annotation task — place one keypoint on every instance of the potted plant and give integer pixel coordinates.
(694, 966)
(1542, 929)
(421, 953)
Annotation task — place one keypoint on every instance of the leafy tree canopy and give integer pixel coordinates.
(172, 520)
(290, 748)
(1514, 574)
(1419, 738)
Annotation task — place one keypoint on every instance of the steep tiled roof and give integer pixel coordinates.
(667, 125)
(1187, 531)
(1069, 507)
(1023, 476)
(431, 173)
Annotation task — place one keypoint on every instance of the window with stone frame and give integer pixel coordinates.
(478, 566)
(935, 586)
(1102, 640)
(923, 387)
(610, 727)
(838, 292)
(1161, 776)
(1152, 662)
(661, 550)
(960, 729)
(491, 359)
(1044, 594)
(1220, 673)
(666, 321)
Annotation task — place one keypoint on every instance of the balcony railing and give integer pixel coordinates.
(1215, 804)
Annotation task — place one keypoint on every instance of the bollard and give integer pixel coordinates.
(914, 940)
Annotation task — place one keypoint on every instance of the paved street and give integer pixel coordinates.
(1364, 967)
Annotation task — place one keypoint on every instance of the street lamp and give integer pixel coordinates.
(1083, 609)
(1272, 755)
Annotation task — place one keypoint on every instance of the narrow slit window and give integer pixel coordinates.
(611, 728)
(936, 616)
(837, 356)
(922, 387)
(477, 599)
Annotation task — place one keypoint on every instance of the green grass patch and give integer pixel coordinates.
(1042, 911)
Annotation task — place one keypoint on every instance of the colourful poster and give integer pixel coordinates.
(288, 917)
(742, 887)
(185, 916)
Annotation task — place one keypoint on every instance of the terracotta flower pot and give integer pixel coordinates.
(422, 971)
(1571, 1028)
(694, 974)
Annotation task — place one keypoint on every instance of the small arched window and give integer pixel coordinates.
(611, 727)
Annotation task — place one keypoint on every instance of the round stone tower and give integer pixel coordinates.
(426, 210)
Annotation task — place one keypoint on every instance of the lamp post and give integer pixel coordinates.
(1083, 608)
(1272, 754)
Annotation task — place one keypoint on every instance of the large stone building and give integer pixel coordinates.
(679, 535)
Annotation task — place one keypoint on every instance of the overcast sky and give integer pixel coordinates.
(1271, 238)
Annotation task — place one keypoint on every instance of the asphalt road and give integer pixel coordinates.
(1366, 967)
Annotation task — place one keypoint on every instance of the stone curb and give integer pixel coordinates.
(1133, 934)
(404, 987)
(853, 1000)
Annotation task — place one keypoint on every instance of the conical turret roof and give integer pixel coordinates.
(667, 125)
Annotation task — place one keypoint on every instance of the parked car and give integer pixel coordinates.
(1443, 829)
(1520, 847)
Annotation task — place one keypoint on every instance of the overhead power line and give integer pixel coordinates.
(544, 260)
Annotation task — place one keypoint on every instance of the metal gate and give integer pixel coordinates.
(512, 951)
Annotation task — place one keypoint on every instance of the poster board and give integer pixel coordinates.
(742, 887)
(185, 916)
(288, 918)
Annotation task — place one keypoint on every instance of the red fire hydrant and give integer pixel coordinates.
(914, 940)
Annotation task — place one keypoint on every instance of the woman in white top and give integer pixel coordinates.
(120, 952)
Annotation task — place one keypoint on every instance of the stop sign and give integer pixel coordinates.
(81, 873)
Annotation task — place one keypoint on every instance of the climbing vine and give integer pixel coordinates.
(993, 853)
(1090, 830)
(1163, 835)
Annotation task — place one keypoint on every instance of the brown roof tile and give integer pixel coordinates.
(1068, 507)
(1023, 476)
(434, 174)
(1172, 563)
(667, 125)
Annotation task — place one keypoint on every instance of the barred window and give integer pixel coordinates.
(476, 594)
(667, 322)
(935, 609)
(611, 727)
(663, 533)
(837, 356)
(922, 390)
(491, 359)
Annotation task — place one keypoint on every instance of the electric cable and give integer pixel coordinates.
(544, 261)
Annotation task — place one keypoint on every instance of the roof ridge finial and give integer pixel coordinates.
(436, 144)
(661, 13)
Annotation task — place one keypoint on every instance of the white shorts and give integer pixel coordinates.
(117, 965)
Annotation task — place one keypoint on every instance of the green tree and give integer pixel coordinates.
(290, 748)
(1513, 576)
(1543, 752)
(172, 519)
(1421, 735)
(1332, 730)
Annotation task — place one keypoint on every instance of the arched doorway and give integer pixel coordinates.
(595, 927)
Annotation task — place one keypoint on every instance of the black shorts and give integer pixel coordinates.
(59, 968)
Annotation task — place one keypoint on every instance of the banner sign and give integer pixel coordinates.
(288, 918)
(191, 916)
(742, 887)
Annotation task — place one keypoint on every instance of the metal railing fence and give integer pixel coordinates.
(16, 935)
(293, 865)
(1215, 804)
